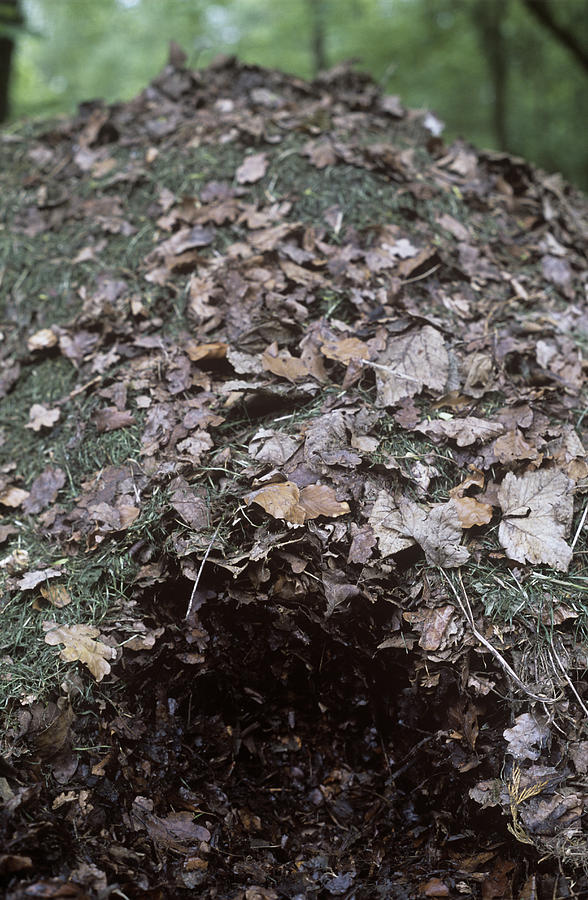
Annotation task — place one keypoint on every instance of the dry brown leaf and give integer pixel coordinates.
(343, 350)
(320, 500)
(537, 513)
(13, 497)
(463, 431)
(79, 644)
(42, 340)
(252, 168)
(398, 523)
(283, 364)
(410, 362)
(41, 417)
(471, 512)
(57, 594)
(286, 501)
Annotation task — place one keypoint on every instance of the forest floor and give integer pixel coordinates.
(293, 493)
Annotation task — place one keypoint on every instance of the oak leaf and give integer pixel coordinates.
(79, 644)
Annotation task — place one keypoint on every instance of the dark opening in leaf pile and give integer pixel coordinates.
(292, 489)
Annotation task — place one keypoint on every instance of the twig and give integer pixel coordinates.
(553, 653)
(580, 526)
(467, 611)
(374, 365)
(197, 582)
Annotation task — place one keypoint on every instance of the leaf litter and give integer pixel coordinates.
(275, 356)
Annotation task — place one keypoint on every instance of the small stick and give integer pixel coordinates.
(196, 583)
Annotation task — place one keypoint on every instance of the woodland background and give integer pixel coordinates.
(507, 74)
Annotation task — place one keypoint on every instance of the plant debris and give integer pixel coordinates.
(293, 465)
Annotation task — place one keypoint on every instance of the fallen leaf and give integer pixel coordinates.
(537, 514)
(398, 523)
(252, 169)
(285, 501)
(528, 737)
(80, 645)
(110, 419)
(57, 594)
(13, 497)
(42, 340)
(410, 362)
(44, 490)
(41, 417)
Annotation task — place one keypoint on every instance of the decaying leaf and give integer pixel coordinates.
(410, 362)
(400, 522)
(79, 644)
(537, 513)
(528, 737)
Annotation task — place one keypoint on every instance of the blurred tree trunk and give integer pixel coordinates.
(318, 35)
(544, 14)
(489, 17)
(10, 20)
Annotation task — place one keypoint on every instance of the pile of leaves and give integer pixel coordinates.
(293, 499)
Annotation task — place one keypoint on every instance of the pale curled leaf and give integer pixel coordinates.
(79, 644)
(537, 513)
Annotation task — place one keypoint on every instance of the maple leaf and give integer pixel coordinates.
(537, 513)
(79, 644)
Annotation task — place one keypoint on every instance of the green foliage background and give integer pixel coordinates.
(427, 51)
